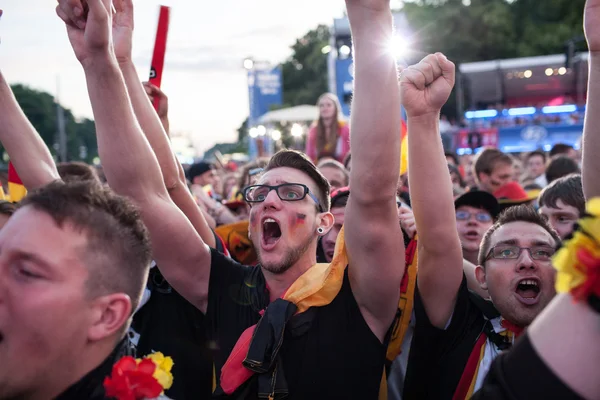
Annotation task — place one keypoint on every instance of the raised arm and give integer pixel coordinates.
(26, 149)
(151, 124)
(591, 133)
(373, 235)
(425, 88)
(130, 165)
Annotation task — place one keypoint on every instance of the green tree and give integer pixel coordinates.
(41, 110)
(305, 72)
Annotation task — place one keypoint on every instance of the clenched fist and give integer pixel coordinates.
(426, 86)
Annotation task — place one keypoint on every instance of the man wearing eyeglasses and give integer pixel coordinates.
(457, 333)
(334, 345)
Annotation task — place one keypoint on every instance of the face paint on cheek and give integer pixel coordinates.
(297, 221)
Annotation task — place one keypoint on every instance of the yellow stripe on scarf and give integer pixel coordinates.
(472, 387)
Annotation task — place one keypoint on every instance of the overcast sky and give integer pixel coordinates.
(203, 75)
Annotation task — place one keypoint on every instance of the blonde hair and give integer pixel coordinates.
(322, 140)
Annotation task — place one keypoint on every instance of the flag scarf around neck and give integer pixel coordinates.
(317, 287)
(466, 385)
(16, 189)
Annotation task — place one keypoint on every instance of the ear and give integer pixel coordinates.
(481, 278)
(325, 221)
(110, 313)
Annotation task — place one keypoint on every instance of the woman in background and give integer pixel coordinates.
(329, 136)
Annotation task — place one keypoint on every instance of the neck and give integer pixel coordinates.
(70, 373)
(279, 283)
(327, 123)
(471, 256)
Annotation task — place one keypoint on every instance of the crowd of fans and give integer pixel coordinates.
(339, 273)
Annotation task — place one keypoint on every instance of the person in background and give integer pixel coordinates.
(475, 214)
(203, 174)
(458, 185)
(334, 172)
(559, 166)
(493, 169)
(535, 166)
(562, 203)
(451, 158)
(518, 168)
(7, 209)
(564, 149)
(329, 136)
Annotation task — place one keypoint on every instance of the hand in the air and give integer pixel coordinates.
(426, 86)
(153, 93)
(591, 24)
(89, 25)
(122, 29)
(407, 221)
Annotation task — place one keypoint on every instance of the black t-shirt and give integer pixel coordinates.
(438, 357)
(170, 324)
(520, 374)
(339, 357)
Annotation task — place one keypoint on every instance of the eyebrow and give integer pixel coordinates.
(33, 258)
(514, 242)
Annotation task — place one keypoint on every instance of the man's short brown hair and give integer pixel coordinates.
(487, 160)
(568, 189)
(118, 252)
(74, 171)
(560, 166)
(297, 160)
(522, 213)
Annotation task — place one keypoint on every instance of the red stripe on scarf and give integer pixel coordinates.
(469, 373)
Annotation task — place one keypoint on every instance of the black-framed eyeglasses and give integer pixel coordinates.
(479, 216)
(285, 191)
(506, 252)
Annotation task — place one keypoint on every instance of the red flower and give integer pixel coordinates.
(132, 381)
(590, 266)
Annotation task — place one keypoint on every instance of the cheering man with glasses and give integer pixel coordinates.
(289, 327)
(457, 333)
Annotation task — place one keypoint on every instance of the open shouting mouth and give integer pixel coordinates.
(528, 291)
(271, 233)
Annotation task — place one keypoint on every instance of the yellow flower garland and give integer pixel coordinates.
(163, 369)
(578, 261)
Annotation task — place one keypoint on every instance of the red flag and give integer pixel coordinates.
(16, 189)
(160, 47)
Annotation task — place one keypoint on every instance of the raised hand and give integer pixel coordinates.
(122, 29)
(407, 221)
(154, 92)
(426, 86)
(88, 26)
(591, 24)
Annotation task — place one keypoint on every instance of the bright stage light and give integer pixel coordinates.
(399, 46)
(276, 135)
(253, 132)
(296, 130)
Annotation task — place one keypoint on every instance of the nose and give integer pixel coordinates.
(525, 261)
(272, 200)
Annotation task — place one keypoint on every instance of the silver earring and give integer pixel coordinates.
(320, 231)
